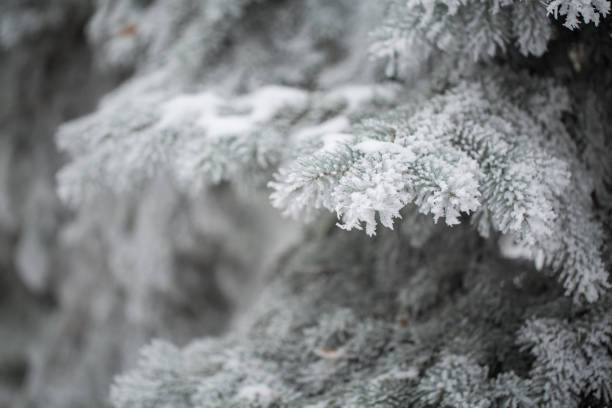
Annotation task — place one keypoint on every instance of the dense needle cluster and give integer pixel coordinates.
(475, 131)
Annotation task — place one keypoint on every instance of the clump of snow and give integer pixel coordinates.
(259, 394)
(237, 116)
(338, 124)
(512, 248)
(357, 97)
(331, 141)
(185, 108)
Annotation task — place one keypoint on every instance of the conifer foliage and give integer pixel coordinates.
(475, 132)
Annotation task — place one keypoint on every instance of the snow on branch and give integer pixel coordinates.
(471, 150)
(419, 29)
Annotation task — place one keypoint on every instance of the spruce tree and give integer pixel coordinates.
(447, 165)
